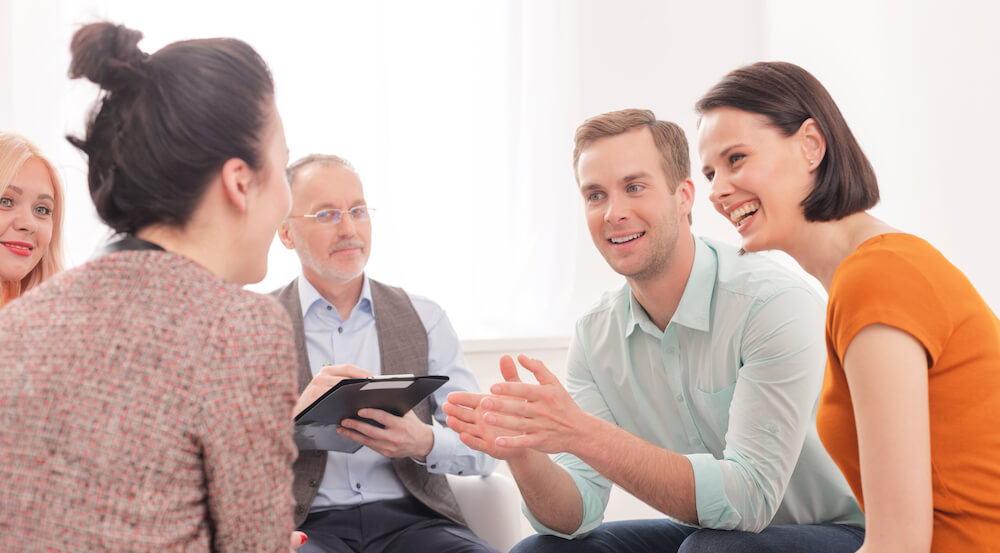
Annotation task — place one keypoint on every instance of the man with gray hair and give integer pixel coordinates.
(392, 494)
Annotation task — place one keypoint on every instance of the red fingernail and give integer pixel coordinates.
(304, 538)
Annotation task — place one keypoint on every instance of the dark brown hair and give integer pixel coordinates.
(787, 96)
(167, 122)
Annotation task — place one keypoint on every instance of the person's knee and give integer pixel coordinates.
(542, 544)
(725, 541)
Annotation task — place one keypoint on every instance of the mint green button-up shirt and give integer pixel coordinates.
(731, 383)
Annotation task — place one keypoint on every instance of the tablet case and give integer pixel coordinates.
(316, 426)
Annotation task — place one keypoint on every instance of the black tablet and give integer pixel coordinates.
(316, 426)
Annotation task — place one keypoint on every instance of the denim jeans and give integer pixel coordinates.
(665, 536)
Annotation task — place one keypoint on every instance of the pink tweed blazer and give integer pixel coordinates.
(145, 405)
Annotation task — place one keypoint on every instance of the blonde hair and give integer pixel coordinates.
(15, 150)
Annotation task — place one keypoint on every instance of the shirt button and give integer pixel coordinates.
(461, 472)
(671, 350)
(695, 441)
(313, 483)
(680, 398)
(299, 510)
(434, 466)
(358, 485)
(329, 307)
(340, 330)
(772, 428)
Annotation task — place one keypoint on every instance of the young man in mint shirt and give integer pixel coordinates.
(692, 387)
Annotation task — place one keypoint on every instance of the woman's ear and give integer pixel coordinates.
(813, 143)
(236, 177)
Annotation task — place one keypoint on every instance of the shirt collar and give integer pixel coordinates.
(309, 296)
(694, 309)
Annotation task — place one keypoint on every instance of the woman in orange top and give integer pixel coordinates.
(912, 389)
(31, 204)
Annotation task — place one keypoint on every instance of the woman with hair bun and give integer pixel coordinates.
(912, 390)
(146, 399)
(31, 211)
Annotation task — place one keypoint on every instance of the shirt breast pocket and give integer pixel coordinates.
(712, 413)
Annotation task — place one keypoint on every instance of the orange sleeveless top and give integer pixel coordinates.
(901, 281)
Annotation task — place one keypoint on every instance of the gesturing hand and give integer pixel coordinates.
(518, 415)
(543, 416)
(465, 416)
(327, 378)
(405, 436)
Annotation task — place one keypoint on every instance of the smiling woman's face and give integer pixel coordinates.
(27, 207)
(759, 177)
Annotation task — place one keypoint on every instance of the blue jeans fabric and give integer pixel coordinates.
(392, 526)
(665, 536)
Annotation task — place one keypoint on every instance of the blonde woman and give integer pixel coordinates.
(31, 212)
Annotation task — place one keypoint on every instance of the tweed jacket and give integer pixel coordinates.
(402, 343)
(145, 406)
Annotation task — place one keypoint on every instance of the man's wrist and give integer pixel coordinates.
(594, 439)
(426, 444)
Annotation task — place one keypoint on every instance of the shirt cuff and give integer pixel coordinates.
(593, 513)
(441, 459)
(714, 509)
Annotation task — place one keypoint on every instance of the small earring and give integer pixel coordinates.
(812, 161)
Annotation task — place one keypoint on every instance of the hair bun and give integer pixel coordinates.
(107, 54)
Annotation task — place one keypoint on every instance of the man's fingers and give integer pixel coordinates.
(362, 428)
(344, 371)
(542, 373)
(507, 406)
(514, 442)
(461, 413)
(461, 426)
(382, 417)
(517, 424)
(465, 399)
(474, 442)
(521, 391)
(508, 369)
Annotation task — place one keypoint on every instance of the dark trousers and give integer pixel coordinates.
(398, 525)
(665, 536)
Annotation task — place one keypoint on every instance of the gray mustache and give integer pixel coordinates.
(346, 244)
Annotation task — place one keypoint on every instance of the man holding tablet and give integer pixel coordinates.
(392, 494)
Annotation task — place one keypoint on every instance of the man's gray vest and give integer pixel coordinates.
(402, 343)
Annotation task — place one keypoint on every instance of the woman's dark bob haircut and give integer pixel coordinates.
(788, 95)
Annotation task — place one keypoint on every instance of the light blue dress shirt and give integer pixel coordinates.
(731, 383)
(366, 476)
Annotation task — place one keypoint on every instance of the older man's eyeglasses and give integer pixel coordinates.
(359, 214)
